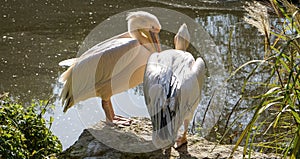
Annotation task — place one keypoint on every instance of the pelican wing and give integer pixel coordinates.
(172, 91)
(92, 73)
(70, 62)
(191, 86)
(160, 87)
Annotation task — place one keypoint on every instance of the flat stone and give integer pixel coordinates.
(134, 141)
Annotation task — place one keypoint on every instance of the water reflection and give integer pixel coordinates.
(68, 126)
(238, 43)
(35, 36)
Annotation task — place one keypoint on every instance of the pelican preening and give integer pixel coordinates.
(172, 90)
(112, 66)
(172, 79)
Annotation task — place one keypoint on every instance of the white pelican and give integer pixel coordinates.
(172, 88)
(112, 66)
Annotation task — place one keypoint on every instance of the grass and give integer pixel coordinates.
(279, 131)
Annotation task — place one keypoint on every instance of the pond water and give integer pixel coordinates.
(36, 35)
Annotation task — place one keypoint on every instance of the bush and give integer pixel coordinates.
(23, 132)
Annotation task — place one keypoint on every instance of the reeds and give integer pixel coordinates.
(279, 132)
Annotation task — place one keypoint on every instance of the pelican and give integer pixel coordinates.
(112, 66)
(172, 89)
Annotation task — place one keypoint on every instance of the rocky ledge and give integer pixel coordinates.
(101, 141)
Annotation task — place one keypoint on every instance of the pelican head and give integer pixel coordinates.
(182, 38)
(145, 27)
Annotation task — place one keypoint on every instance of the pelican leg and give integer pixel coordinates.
(183, 139)
(111, 118)
(108, 110)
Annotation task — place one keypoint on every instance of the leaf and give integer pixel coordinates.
(284, 65)
(26, 134)
(296, 116)
(245, 64)
(262, 109)
(296, 144)
(271, 91)
(246, 131)
(51, 119)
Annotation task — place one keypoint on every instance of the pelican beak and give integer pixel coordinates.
(154, 39)
(181, 43)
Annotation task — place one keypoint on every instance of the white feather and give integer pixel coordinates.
(172, 87)
(68, 62)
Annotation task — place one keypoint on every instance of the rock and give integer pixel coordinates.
(104, 142)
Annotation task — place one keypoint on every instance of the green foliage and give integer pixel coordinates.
(23, 132)
(279, 131)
